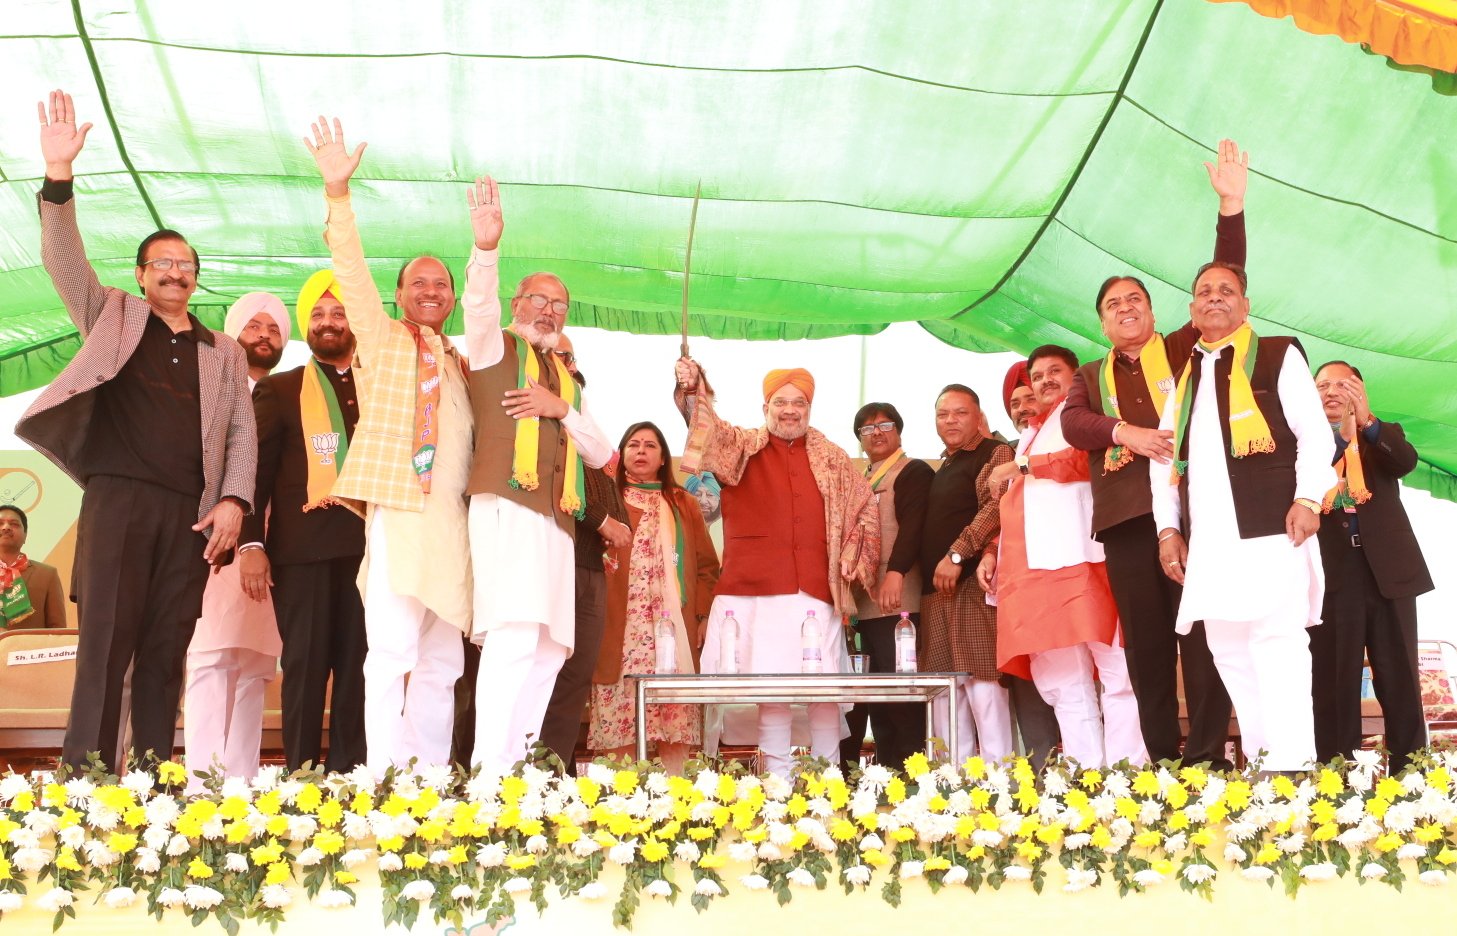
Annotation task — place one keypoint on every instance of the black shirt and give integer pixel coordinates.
(148, 419)
(951, 506)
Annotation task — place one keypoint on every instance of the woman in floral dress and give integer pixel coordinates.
(670, 567)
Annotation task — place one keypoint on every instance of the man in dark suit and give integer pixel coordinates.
(311, 552)
(152, 419)
(1374, 571)
(30, 591)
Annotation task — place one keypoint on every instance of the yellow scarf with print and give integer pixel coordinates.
(528, 434)
(325, 438)
(1153, 363)
(1249, 433)
(1350, 488)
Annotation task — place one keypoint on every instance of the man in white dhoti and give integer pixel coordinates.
(526, 492)
(1238, 511)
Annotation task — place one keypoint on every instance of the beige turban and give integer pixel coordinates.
(247, 308)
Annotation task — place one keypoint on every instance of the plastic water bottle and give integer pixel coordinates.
(665, 644)
(905, 644)
(728, 644)
(811, 656)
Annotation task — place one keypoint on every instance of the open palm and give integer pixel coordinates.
(486, 222)
(60, 139)
(336, 164)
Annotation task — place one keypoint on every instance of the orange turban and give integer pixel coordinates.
(1016, 377)
(313, 290)
(798, 377)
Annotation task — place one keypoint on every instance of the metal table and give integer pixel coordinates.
(794, 688)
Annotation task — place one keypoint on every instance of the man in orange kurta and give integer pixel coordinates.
(800, 525)
(1057, 622)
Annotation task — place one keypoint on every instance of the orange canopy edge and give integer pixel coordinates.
(1409, 32)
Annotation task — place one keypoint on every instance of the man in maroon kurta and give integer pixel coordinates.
(800, 525)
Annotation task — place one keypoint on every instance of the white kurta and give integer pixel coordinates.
(522, 558)
(1227, 578)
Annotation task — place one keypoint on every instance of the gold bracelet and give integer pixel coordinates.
(1309, 505)
(1168, 536)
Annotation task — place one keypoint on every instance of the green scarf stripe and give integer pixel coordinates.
(1115, 452)
(572, 393)
(336, 416)
(521, 353)
(1186, 405)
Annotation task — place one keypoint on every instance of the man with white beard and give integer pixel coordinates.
(526, 490)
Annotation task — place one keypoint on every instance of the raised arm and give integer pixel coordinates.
(62, 250)
(362, 304)
(482, 298)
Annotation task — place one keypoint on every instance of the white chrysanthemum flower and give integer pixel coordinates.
(622, 853)
(772, 811)
(537, 844)
(78, 791)
(1433, 878)
(461, 892)
(656, 783)
(1233, 853)
(1366, 760)
(1372, 871)
(706, 782)
(517, 885)
(1054, 783)
(178, 845)
(858, 874)
(688, 852)
(1290, 844)
(1401, 818)
(1148, 877)
(268, 776)
(389, 861)
(1080, 879)
(439, 857)
(1196, 812)
(98, 855)
(436, 776)
(301, 828)
(871, 841)
(820, 806)
(162, 810)
(170, 897)
(1077, 840)
(955, 875)
(585, 846)
(491, 855)
(39, 822)
(31, 860)
(12, 785)
(754, 882)
(10, 901)
(56, 898)
(768, 851)
(1360, 781)
(418, 890)
(875, 777)
(275, 896)
(1117, 784)
(707, 887)
(1240, 831)
(353, 857)
(594, 890)
(235, 862)
(119, 897)
(1017, 873)
(1257, 873)
(799, 877)
(658, 888)
(1352, 811)
(72, 836)
(1104, 806)
(780, 833)
(1199, 873)
(237, 786)
(1411, 851)
(98, 817)
(1176, 843)
(912, 869)
(742, 851)
(1321, 871)
(986, 838)
(309, 857)
(331, 898)
(201, 897)
(147, 860)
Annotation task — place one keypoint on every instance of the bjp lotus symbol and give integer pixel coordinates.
(325, 445)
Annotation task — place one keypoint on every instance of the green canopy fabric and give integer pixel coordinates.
(977, 167)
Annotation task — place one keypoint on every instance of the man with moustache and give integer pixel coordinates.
(1374, 572)
(1238, 510)
(30, 591)
(152, 419)
(1034, 718)
(800, 528)
(527, 492)
(1112, 413)
(602, 526)
(406, 474)
(960, 628)
(1056, 617)
(234, 650)
(308, 559)
(901, 485)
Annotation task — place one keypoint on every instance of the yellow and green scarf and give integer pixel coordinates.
(1249, 434)
(1153, 362)
(325, 437)
(884, 469)
(1350, 488)
(528, 435)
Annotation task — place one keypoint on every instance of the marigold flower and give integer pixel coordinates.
(654, 851)
(199, 869)
(415, 861)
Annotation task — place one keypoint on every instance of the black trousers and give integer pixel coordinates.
(563, 721)
(1035, 720)
(899, 727)
(463, 734)
(1148, 605)
(138, 583)
(1357, 622)
(321, 622)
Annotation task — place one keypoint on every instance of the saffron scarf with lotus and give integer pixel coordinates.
(325, 436)
(1350, 487)
(1153, 363)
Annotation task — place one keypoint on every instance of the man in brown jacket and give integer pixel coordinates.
(30, 591)
(152, 417)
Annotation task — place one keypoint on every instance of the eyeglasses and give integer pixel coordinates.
(163, 264)
(568, 358)
(559, 306)
(870, 429)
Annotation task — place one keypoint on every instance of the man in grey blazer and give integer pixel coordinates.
(153, 419)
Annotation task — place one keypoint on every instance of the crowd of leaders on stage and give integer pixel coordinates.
(440, 545)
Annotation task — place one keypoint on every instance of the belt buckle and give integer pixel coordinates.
(1356, 539)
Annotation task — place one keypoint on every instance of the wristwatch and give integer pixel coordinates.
(955, 557)
(1023, 463)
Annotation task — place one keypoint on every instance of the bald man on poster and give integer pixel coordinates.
(800, 525)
